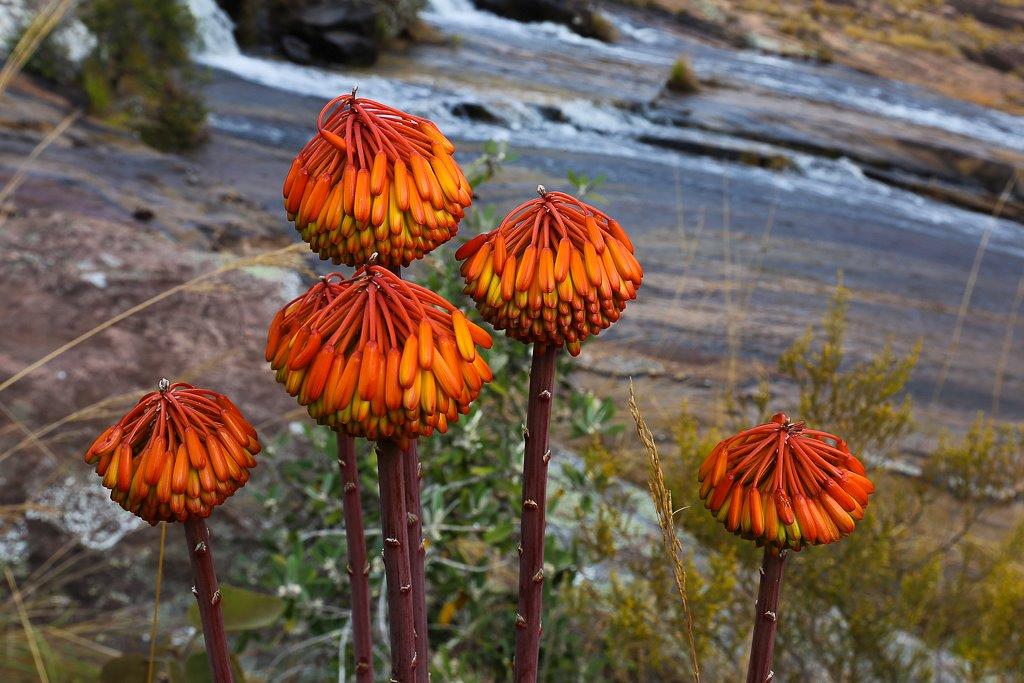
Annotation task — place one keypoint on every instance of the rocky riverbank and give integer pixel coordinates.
(744, 202)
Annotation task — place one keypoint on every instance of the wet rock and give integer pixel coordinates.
(752, 156)
(143, 214)
(1004, 57)
(580, 17)
(552, 114)
(998, 14)
(347, 48)
(319, 31)
(296, 49)
(475, 112)
(332, 34)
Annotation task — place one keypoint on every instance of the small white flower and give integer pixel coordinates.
(289, 590)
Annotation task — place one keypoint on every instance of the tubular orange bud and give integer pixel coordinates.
(298, 188)
(402, 185)
(392, 384)
(289, 180)
(350, 379)
(217, 458)
(157, 453)
(378, 173)
(304, 348)
(757, 520)
(419, 174)
(124, 466)
(426, 344)
(335, 140)
(546, 261)
(317, 378)
(594, 234)
(409, 364)
(562, 258)
(470, 248)
(500, 252)
(463, 337)
(348, 189)
(370, 371)
(361, 208)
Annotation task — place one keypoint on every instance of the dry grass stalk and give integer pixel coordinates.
(41, 26)
(19, 176)
(972, 279)
(27, 626)
(156, 604)
(1004, 354)
(662, 499)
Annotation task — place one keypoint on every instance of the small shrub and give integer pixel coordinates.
(864, 399)
(682, 78)
(140, 73)
(173, 120)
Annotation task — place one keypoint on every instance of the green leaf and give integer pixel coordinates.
(498, 533)
(127, 668)
(244, 610)
(197, 669)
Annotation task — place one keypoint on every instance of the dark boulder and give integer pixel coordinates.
(581, 17)
(474, 112)
(1005, 57)
(319, 31)
(343, 16)
(347, 48)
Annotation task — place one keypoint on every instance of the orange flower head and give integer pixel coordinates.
(180, 452)
(378, 357)
(554, 272)
(785, 486)
(375, 180)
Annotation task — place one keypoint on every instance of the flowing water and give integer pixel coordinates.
(570, 94)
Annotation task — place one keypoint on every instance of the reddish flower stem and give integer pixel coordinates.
(417, 559)
(397, 571)
(358, 567)
(766, 617)
(416, 550)
(535, 479)
(207, 593)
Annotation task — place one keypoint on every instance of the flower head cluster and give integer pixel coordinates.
(375, 180)
(784, 485)
(176, 455)
(554, 272)
(377, 356)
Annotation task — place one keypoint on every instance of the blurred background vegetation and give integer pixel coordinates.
(930, 587)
